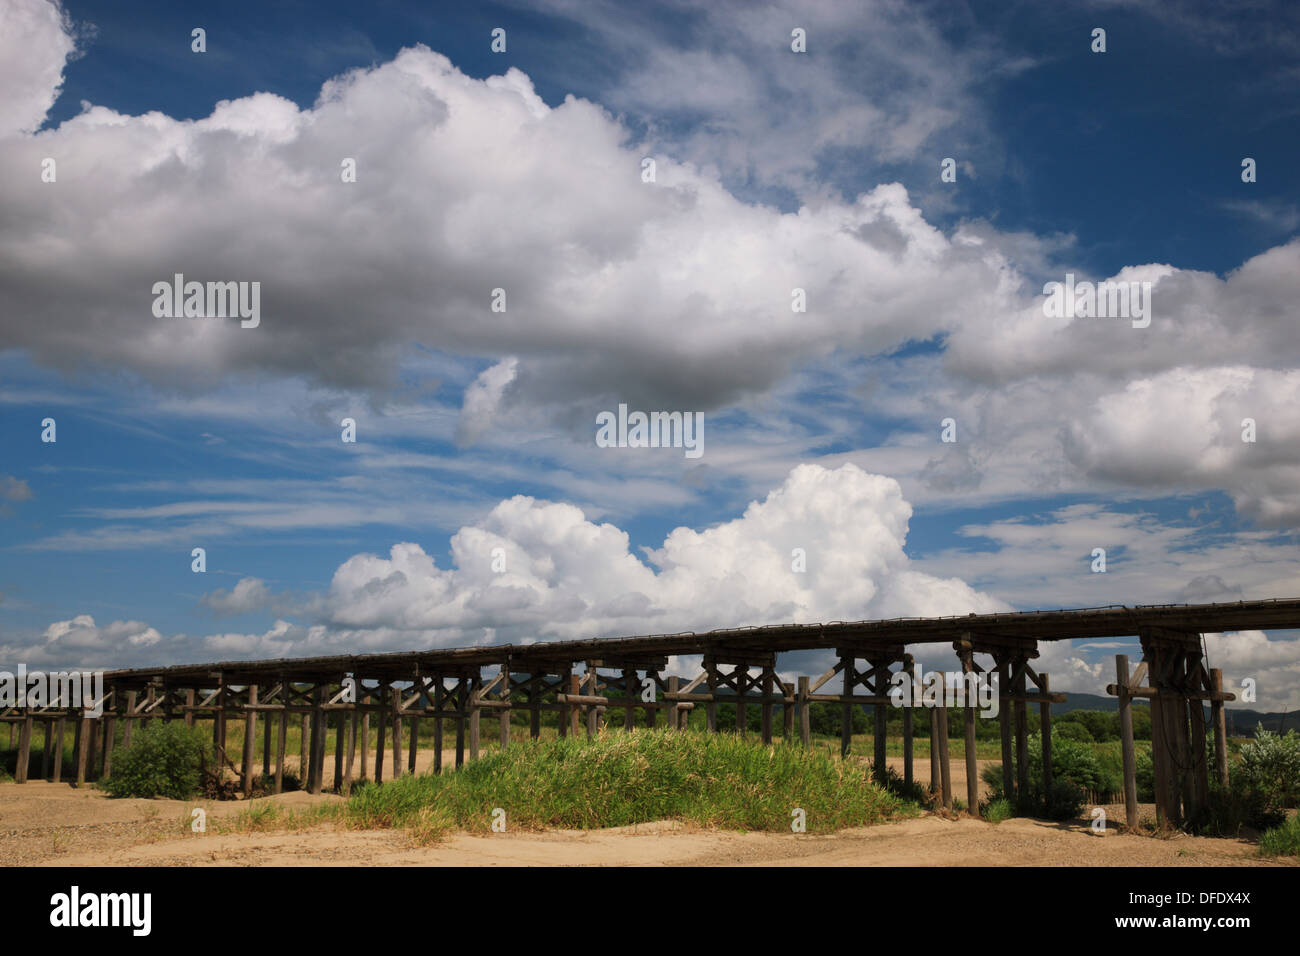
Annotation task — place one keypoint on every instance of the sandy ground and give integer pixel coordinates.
(54, 824)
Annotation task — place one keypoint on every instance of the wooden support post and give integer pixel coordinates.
(92, 746)
(475, 688)
(101, 741)
(267, 723)
(740, 673)
(47, 746)
(503, 713)
(340, 743)
(765, 710)
(945, 766)
(281, 738)
(304, 739)
(651, 707)
(1220, 729)
(380, 699)
(1022, 734)
(83, 749)
(1127, 752)
(352, 750)
(846, 710)
(534, 706)
(110, 742)
(365, 739)
(219, 729)
(787, 712)
(316, 754)
(880, 720)
(909, 666)
(805, 718)
(1045, 729)
(1004, 725)
(711, 706)
(936, 775)
(395, 702)
(439, 701)
(562, 686)
(190, 698)
(462, 701)
(629, 692)
(24, 749)
(129, 721)
(970, 714)
(1159, 755)
(1196, 713)
(412, 750)
(593, 713)
(674, 685)
(250, 742)
(574, 720)
(58, 750)
(1164, 737)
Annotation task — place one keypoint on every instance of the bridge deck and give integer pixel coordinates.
(1012, 627)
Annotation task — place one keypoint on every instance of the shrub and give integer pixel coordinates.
(1145, 772)
(1270, 765)
(1282, 840)
(1236, 805)
(1062, 801)
(164, 759)
(1071, 761)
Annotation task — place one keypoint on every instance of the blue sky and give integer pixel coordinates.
(523, 170)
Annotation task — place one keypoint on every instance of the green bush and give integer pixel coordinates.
(1237, 805)
(1282, 840)
(164, 759)
(1270, 765)
(1072, 761)
(1062, 801)
(1145, 772)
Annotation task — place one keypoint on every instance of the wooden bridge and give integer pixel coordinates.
(584, 680)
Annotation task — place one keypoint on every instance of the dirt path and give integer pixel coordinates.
(42, 823)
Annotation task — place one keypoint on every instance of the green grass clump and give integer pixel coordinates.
(999, 810)
(618, 779)
(1283, 840)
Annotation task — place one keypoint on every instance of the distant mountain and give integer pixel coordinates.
(1241, 723)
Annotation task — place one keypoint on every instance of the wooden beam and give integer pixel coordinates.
(24, 749)
(281, 738)
(58, 750)
(250, 742)
(1217, 717)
